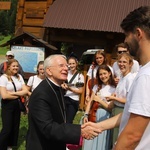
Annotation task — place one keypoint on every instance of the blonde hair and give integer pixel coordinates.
(8, 72)
(127, 56)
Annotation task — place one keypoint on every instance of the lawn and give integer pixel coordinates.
(6, 48)
(24, 127)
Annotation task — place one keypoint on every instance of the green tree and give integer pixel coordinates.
(4, 23)
(8, 19)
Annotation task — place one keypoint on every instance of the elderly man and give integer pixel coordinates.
(47, 115)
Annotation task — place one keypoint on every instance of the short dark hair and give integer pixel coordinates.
(138, 18)
(123, 45)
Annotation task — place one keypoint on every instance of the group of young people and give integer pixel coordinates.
(114, 92)
(107, 96)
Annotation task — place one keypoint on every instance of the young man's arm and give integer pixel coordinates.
(106, 124)
(132, 133)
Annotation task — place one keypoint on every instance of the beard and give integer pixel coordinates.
(133, 47)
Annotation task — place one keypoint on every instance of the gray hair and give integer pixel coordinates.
(50, 60)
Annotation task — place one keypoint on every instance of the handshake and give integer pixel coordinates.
(90, 130)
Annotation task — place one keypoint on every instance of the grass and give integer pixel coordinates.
(6, 48)
(24, 127)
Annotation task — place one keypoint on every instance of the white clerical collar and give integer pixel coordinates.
(54, 82)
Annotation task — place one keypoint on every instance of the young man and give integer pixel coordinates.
(47, 113)
(3, 66)
(135, 120)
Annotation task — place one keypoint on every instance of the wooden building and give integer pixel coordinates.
(30, 16)
(84, 24)
(30, 41)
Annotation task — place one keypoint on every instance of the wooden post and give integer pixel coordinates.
(4, 5)
(82, 98)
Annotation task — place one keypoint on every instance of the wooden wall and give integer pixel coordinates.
(30, 16)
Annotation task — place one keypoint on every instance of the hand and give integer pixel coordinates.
(87, 99)
(116, 80)
(90, 130)
(85, 119)
(112, 97)
(96, 98)
(64, 86)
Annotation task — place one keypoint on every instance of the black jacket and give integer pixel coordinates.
(47, 129)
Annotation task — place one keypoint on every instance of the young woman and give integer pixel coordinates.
(98, 108)
(34, 81)
(73, 91)
(10, 106)
(125, 62)
(99, 59)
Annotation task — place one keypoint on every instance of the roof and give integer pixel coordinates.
(93, 15)
(34, 38)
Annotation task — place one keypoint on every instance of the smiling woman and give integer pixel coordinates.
(73, 92)
(125, 62)
(12, 88)
(98, 108)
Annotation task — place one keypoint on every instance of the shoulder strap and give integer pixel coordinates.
(73, 77)
(14, 85)
(5, 66)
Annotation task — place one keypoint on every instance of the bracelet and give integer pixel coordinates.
(86, 115)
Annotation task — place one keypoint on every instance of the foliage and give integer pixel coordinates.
(8, 17)
(4, 39)
(65, 47)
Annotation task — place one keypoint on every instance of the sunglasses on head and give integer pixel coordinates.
(119, 52)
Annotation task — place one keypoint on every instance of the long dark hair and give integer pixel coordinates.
(40, 63)
(111, 81)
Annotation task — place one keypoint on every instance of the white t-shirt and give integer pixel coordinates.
(123, 87)
(117, 72)
(89, 73)
(105, 91)
(34, 82)
(4, 82)
(79, 78)
(138, 102)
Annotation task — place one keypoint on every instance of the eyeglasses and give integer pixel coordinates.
(11, 56)
(119, 52)
(62, 66)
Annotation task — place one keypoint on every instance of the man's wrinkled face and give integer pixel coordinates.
(58, 71)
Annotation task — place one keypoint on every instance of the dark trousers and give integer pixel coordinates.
(71, 109)
(10, 114)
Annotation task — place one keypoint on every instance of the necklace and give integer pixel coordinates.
(63, 112)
